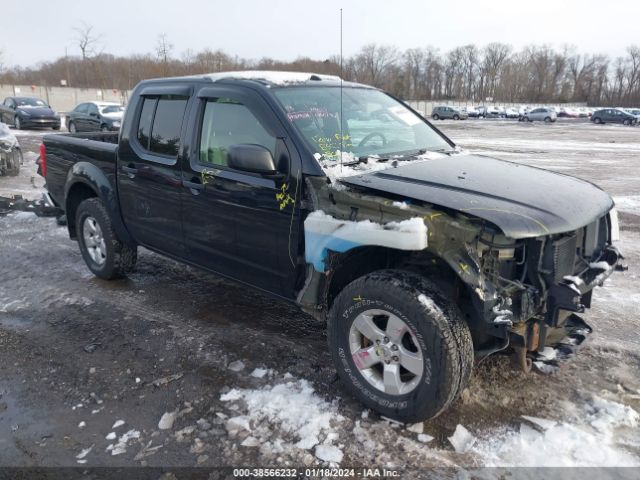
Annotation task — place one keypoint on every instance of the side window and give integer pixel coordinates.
(92, 109)
(146, 117)
(167, 122)
(225, 123)
(82, 108)
(160, 123)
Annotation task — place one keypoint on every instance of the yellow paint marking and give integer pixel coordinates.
(357, 299)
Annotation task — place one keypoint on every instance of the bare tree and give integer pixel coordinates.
(86, 40)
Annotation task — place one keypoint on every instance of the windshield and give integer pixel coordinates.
(30, 102)
(112, 109)
(373, 123)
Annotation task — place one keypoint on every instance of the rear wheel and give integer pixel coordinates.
(436, 116)
(104, 128)
(597, 120)
(399, 345)
(103, 252)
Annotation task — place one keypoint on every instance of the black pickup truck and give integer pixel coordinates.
(342, 199)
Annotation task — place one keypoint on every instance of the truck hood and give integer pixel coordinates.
(522, 201)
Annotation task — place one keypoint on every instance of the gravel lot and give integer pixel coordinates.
(239, 379)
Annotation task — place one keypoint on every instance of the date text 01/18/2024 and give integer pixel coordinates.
(315, 473)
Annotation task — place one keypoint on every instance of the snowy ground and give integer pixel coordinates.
(175, 367)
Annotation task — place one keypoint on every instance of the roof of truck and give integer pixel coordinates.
(267, 78)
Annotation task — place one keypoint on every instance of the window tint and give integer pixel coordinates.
(225, 123)
(146, 117)
(91, 108)
(167, 122)
(82, 108)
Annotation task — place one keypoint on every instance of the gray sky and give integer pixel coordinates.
(286, 29)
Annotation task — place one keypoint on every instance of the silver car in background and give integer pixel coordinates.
(542, 114)
(444, 112)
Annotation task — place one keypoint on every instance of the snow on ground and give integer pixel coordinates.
(593, 439)
(629, 204)
(290, 415)
(300, 417)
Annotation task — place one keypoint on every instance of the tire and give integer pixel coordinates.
(456, 117)
(17, 123)
(597, 120)
(109, 258)
(547, 119)
(434, 330)
(626, 122)
(436, 116)
(104, 128)
(72, 128)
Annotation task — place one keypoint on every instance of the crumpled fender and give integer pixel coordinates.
(323, 232)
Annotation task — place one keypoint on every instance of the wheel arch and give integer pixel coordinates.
(85, 180)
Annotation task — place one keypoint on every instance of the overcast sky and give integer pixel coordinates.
(286, 29)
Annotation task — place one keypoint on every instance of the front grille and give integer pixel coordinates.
(564, 257)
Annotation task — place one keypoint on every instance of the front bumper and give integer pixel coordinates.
(40, 122)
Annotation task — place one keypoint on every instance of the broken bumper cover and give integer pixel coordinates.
(549, 359)
(574, 294)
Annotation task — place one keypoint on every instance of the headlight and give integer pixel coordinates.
(24, 112)
(614, 225)
(116, 124)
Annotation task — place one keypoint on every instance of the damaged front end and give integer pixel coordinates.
(544, 283)
(524, 294)
(10, 152)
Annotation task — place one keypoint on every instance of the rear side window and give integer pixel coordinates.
(160, 124)
(226, 122)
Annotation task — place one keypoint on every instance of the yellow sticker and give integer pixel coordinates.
(283, 196)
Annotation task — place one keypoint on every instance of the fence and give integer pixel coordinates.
(64, 99)
(425, 107)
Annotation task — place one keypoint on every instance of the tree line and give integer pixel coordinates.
(534, 74)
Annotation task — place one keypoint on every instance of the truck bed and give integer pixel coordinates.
(65, 150)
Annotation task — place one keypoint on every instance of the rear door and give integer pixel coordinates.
(149, 179)
(93, 117)
(233, 222)
(79, 117)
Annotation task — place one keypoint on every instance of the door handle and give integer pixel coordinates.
(195, 185)
(130, 170)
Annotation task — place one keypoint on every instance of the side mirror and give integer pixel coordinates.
(251, 158)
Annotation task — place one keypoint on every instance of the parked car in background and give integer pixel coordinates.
(472, 112)
(482, 111)
(492, 112)
(568, 112)
(634, 111)
(543, 114)
(511, 113)
(10, 152)
(25, 112)
(444, 112)
(614, 115)
(95, 116)
(583, 112)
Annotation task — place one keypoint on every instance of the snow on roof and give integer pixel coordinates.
(274, 77)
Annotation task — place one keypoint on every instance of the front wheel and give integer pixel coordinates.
(456, 117)
(597, 120)
(547, 119)
(103, 252)
(626, 122)
(17, 123)
(72, 127)
(104, 128)
(399, 345)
